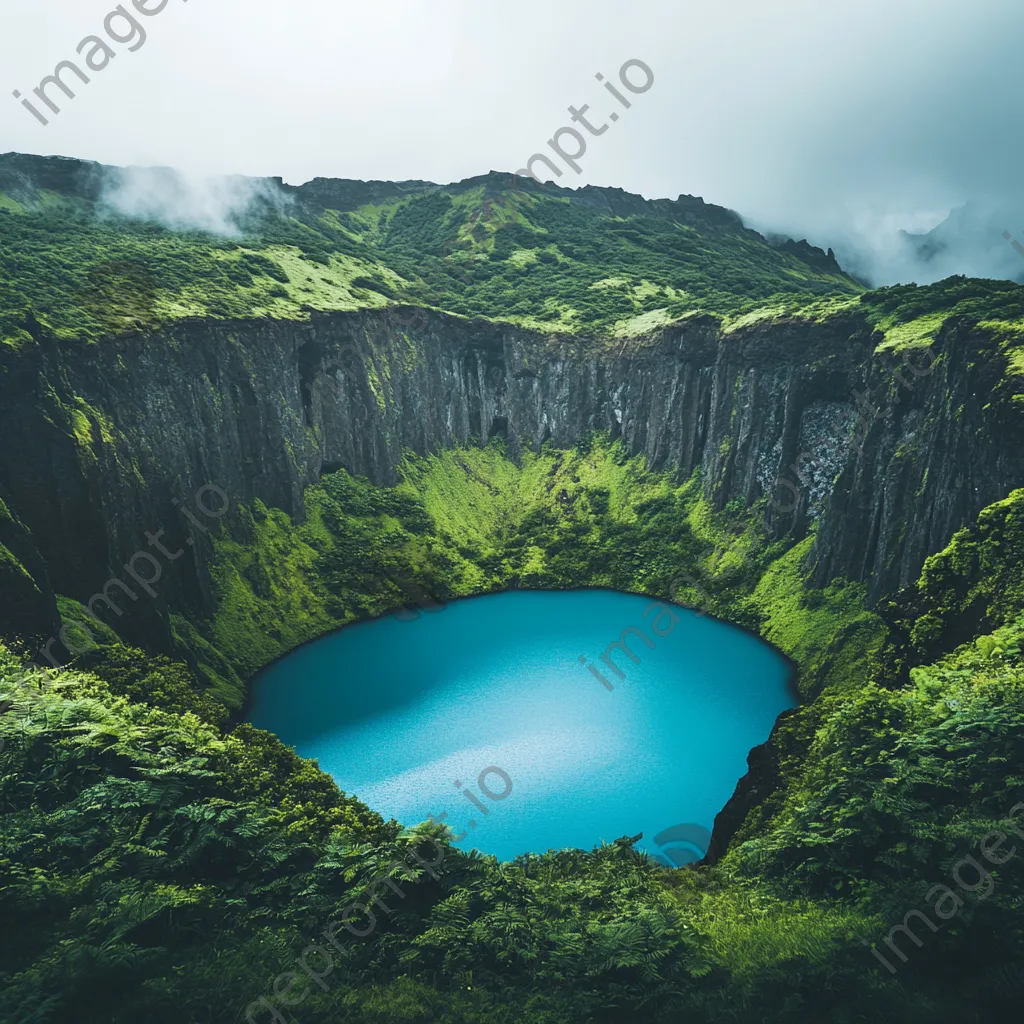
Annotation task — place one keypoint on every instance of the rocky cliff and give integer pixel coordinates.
(104, 443)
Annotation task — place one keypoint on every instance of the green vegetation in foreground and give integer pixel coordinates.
(157, 868)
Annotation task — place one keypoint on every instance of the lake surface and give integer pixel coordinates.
(481, 714)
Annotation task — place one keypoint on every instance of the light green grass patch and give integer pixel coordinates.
(919, 332)
(522, 257)
(642, 323)
(817, 628)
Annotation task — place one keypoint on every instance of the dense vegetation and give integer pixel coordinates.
(157, 866)
(78, 269)
(75, 268)
(552, 262)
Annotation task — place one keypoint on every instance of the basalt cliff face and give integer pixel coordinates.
(104, 443)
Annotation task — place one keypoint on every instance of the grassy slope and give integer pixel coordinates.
(470, 521)
(555, 264)
(913, 315)
(539, 260)
(544, 261)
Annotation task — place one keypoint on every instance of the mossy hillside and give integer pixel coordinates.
(77, 270)
(547, 262)
(829, 632)
(914, 314)
(77, 276)
(906, 317)
(909, 315)
(471, 521)
(977, 576)
(972, 586)
(268, 597)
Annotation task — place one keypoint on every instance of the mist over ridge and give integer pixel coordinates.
(970, 240)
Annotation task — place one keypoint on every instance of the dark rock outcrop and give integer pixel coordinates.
(812, 255)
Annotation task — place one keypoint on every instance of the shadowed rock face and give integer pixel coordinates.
(28, 608)
(100, 439)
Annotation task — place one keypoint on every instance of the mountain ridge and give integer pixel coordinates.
(482, 239)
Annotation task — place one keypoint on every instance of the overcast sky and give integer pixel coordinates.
(829, 119)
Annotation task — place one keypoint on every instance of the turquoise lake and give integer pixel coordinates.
(481, 715)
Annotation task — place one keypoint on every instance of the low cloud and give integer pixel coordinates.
(970, 240)
(920, 247)
(183, 202)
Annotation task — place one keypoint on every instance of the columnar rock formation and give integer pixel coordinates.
(100, 440)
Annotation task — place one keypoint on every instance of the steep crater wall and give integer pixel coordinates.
(105, 443)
